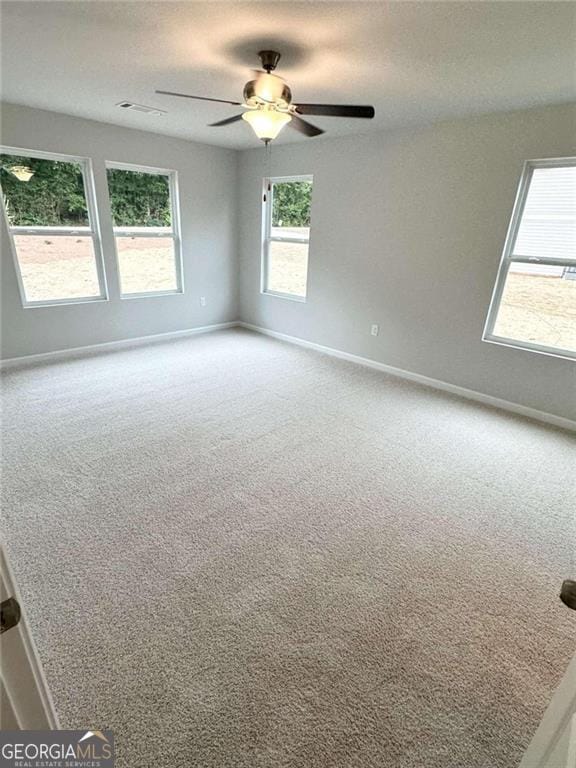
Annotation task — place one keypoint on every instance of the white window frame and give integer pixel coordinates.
(508, 259)
(267, 238)
(92, 230)
(174, 234)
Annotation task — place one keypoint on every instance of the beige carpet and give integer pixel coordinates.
(237, 553)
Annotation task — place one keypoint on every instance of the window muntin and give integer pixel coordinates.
(286, 236)
(144, 207)
(50, 211)
(534, 300)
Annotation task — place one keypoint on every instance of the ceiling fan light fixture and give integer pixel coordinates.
(266, 123)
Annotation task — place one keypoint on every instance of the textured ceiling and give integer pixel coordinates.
(415, 62)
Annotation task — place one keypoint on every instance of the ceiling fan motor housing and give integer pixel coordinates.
(267, 90)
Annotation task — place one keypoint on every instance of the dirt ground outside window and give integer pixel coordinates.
(534, 308)
(65, 267)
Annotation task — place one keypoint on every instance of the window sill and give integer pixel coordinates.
(526, 346)
(150, 294)
(63, 302)
(289, 296)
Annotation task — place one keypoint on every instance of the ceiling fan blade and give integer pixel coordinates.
(335, 110)
(199, 98)
(303, 126)
(227, 121)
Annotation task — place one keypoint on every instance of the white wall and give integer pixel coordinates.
(206, 177)
(407, 231)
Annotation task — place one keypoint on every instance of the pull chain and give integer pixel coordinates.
(268, 168)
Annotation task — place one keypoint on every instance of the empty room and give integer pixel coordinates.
(288, 405)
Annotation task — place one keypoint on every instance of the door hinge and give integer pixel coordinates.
(10, 614)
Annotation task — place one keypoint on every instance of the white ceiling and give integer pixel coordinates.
(415, 62)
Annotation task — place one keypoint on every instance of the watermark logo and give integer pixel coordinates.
(57, 749)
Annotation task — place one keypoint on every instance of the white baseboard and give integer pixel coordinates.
(444, 386)
(111, 345)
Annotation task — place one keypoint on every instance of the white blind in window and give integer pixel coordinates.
(548, 225)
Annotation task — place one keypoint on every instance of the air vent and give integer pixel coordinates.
(141, 108)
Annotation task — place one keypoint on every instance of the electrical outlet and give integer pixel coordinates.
(374, 329)
(202, 301)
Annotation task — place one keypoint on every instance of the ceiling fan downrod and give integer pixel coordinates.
(269, 60)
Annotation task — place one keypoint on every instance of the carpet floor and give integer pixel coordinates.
(237, 553)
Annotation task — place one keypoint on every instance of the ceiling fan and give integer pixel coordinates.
(269, 107)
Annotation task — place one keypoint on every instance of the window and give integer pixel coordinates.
(49, 207)
(146, 229)
(534, 300)
(286, 218)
